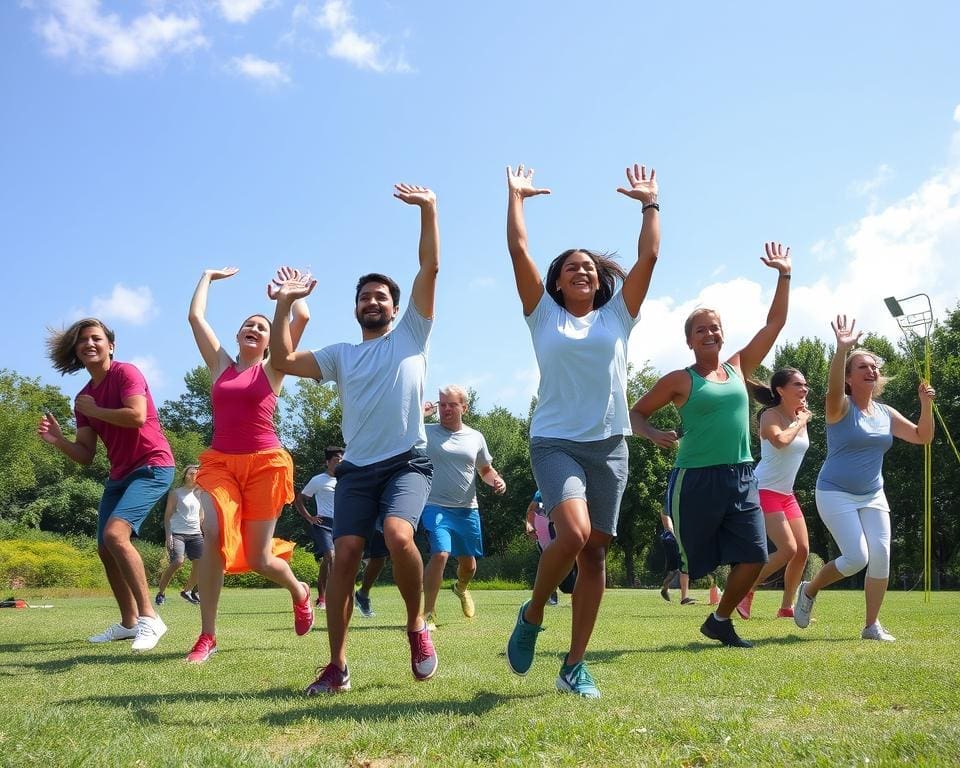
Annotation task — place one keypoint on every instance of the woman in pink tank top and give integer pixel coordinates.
(246, 475)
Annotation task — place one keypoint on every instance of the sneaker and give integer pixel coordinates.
(195, 594)
(876, 632)
(423, 656)
(575, 678)
(785, 613)
(332, 679)
(554, 598)
(321, 604)
(149, 632)
(466, 600)
(114, 632)
(522, 643)
(431, 619)
(189, 597)
(203, 649)
(364, 605)
(303, 613)
(724, 632)
(688, 601)
(743, 607)
(802, 606)
(160, 599)
(665, 594)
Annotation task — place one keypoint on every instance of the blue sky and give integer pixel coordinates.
(142, 141)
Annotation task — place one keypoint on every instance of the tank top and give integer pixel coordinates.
(716, 422)
(243, 407)
(778, 467)
(855, 448)
(185, 519)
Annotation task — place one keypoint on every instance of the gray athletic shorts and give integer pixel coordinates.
(189, 544)
(594, 471)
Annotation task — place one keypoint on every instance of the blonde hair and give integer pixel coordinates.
(688, 323)
(877, 360)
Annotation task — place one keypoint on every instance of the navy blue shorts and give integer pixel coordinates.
(395, 487)
(322, 535)
(716, 517)
(671, 551)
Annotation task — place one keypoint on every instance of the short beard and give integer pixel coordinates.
(374, 323)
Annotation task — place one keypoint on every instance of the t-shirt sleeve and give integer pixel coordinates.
(416, 326)
(132, 382)
(484, 458)
(540, 314)
(327, 361)
(618, 308)
(310, 489)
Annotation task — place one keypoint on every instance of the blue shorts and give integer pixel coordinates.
(322, 535)
(455, 530)
(132, 497)
(716, 517)
(395, 487)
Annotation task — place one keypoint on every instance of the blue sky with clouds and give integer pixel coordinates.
(144, 140)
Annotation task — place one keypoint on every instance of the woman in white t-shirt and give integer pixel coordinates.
(182, 519)
(783, 443)
(580, 324)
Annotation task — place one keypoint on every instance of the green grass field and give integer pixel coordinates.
(815, 697)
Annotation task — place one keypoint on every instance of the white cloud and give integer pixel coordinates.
(151, 369)
(240, 11)
(260, 69)
(869, 187)
(363, 50)
(78, 28)
(908, 247)
(133, 305)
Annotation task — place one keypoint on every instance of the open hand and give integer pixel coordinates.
(49, 429)
(221, 274)
(290, 284)
(641, 187)
(414, 195)
(846, 337)
(521, 183)
(777, 258)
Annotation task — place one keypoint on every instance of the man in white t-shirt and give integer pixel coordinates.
(321, 488)
(451, 518)
(384, 479)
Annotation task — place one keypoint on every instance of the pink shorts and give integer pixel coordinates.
(771, 501)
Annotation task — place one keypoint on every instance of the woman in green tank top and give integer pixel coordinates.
(712, 496)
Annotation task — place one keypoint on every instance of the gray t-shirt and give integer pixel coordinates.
(322, 488)
(456, 456)
(381, 389)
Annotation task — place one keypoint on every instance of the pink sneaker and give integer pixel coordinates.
(303, 613)
(203, 649)
(743, 607)
(423, 656)
(785, 613)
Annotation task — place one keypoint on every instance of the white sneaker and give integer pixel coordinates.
(149, 632)
(876, 632)
(114, 632)
(802, 606)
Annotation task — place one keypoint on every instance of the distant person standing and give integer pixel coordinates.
(182, 520)
(672, 563)
(117, 407)
(451, 517)
(321, 488)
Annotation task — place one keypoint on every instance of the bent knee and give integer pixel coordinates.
(849, 564)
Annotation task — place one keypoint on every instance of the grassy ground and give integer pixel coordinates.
(817, 697)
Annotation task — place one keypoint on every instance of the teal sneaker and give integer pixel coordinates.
(522, 643)
(576, 678)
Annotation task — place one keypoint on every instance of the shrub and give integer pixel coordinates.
(28, 563)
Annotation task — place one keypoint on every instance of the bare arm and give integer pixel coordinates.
(300, 503)
(645, 190)
(778, 436)
(168, 513)
(81, 450)
(132, 415)
(531, 530)
(212, 352)
(525, 272)
(425, 283)
(836, 405)
(299, 317)
(669, 389)
(920, 433)
(492, 478)
(748, 358)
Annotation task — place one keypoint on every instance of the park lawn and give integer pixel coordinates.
(819, 696)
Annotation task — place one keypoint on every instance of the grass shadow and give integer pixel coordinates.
(58, 666)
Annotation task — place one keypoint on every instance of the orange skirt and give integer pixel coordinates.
(246, 486)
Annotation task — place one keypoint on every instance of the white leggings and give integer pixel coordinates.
(861, 527)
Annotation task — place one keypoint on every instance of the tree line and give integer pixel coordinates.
(40, 488)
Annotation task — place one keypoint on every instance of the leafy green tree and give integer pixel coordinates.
(191, 412)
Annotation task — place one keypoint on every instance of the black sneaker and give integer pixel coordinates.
(160, 599)
(188, 596)
(665, 594)
(724, 632)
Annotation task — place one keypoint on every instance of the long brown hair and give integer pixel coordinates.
(62, 345)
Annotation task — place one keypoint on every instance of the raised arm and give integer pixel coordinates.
(773, 431)
(425, 283)
(213, 354)
(920, 433)
(525, 272)
(645, 190)
(283, 356)
(748, 358)
(81, 450)
(847, 339)
(669, 389)
(299, 317)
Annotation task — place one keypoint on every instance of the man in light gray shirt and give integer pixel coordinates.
(451, 517)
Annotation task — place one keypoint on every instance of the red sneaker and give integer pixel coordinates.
(332, 679)
(203, 649)
(785, 613)
(423, 656)
(743, 607)
(303, 613)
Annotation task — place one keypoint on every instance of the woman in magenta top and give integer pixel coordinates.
(246, 474)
